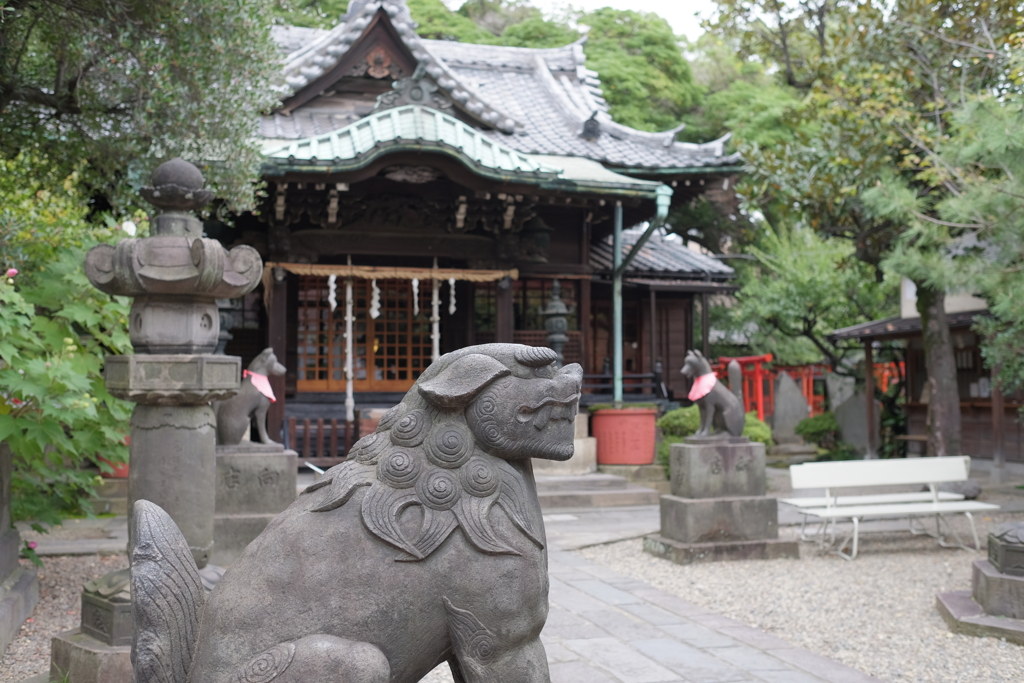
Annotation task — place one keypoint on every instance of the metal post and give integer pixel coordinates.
(654, 330)
(617, 307)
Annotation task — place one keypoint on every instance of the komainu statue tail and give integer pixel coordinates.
(167, 597)
(735, 379)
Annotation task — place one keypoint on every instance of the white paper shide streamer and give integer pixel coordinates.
(374, 300)
(415, 297)
(332, 292)
(451, 296)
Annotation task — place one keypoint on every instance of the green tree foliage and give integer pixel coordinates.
(126, 85)
(646, 80)
(800, 289)
(55, 329)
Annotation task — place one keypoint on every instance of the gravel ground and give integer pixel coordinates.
(876, 614)
(59, 609)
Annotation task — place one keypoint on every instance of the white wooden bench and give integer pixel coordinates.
(900, 471)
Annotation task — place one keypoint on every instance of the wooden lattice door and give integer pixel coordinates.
(389, 352)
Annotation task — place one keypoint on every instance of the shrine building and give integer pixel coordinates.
(453, 188)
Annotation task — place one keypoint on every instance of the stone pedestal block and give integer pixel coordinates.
(173, 465)
(1001, 595)
(19, 588)
(719, 520)
(80, 658)
(717, 468)
(19, 594)
(255, 482)
(717, 510)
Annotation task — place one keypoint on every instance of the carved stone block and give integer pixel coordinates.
(174, 325)
(717, 468)
(255, 478)
(172, 379)
(107, 621)
(255, 482)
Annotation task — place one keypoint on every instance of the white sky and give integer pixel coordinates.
(679, 13)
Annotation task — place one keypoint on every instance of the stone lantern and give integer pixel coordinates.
(175, 277)
(554, 315)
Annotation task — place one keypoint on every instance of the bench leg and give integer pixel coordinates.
(851, 537)
(959, 541)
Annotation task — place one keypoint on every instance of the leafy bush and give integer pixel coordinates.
(680, 422)
(55, 329)
(683, 422)
(756, 430)
(820, 429)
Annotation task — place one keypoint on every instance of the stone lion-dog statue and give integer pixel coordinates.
(721, 410)
(427, 545)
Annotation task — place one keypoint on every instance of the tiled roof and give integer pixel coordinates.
(660, 257)
(535, 101)
(411, 123)
(896, 328)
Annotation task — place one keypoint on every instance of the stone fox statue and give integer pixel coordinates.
(254, 396)
(425, 546)
(720, 409)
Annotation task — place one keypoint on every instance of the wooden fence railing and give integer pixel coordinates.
(318, 441)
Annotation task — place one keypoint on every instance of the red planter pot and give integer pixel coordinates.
(625, 436)
(120, 470)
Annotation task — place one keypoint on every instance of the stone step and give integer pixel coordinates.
(637, 473)
(111, 497)
(580, 482)
(632, 495)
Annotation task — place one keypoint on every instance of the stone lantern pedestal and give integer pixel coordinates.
(995, 604)
(175, 278)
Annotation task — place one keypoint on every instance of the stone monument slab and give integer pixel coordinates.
(790, 409)
(852, 416)
(76, 656)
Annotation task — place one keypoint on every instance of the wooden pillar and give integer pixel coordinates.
(998, 454)
(505, 323)
(654, 330)
(705, 323)
(277, 336)
(869, 395)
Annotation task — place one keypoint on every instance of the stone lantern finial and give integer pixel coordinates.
(177, 190)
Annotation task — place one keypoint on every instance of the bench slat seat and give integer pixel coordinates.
(897, 472)
(900, 509)
(869, 499)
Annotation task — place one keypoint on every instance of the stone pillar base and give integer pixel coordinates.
(964, 615)
(1000, 595)
(83, 659)
(18, 597)
(689, 553)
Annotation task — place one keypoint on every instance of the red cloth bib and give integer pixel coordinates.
(262, 384)
(702, 386)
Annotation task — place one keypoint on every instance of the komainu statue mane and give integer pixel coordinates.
(426, 545)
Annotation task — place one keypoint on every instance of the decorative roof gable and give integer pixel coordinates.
(535, 101)
(307, 64)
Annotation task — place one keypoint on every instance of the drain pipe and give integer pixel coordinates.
(619, 265)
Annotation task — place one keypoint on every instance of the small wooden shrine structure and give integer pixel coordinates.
(446, 186)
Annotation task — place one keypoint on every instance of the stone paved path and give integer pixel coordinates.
(607, 628)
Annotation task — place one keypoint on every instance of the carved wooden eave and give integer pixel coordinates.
(375, 35)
